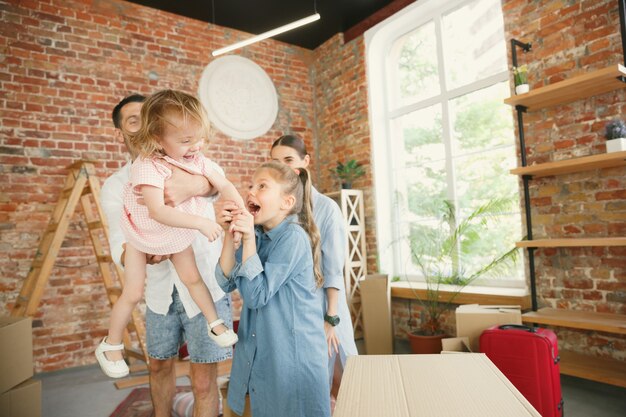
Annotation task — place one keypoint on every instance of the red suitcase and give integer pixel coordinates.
(529, 358)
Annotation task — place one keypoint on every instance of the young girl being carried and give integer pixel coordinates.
(174, 127)
(280, 359)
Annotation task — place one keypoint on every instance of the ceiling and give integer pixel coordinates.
(258, 16)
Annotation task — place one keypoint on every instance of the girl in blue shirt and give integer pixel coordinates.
(291, 150)
(280, 357)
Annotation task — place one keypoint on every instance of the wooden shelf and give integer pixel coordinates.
(608, 371)
(572, 89)
(568, 243)
(404, 290)
(586, 163)
(586, 320)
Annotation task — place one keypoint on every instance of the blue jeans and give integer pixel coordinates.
(165, 333)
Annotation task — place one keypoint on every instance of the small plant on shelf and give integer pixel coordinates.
(347, 172)
(615, 134)
(520, 77)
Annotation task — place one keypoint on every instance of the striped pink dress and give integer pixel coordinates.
(145, 234)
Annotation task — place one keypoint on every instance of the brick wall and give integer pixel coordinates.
(570, 38)
(341, 113)
(63, 66)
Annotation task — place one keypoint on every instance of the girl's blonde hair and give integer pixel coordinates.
(299, 185)
(145, 142)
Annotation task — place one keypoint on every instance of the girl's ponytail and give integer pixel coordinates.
(308, 224)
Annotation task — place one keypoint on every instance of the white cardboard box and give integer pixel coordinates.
(376, 305)
(455, 345)
(466, 385)
(472, 319)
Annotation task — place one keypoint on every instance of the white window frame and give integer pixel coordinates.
(379, 41)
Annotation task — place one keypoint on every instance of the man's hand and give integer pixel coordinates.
(150, 259)
(156, 259)
(182, 185)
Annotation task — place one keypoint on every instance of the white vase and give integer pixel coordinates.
(522, 89)
(616, 145)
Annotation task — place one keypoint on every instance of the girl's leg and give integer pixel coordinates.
(185, 264)
(134, 280)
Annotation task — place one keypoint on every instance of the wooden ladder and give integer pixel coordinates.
(82, 185)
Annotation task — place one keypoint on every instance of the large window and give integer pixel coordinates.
(441, 132)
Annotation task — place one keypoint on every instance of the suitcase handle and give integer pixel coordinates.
(518, 327)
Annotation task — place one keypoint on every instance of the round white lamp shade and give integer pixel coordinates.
(239, 97)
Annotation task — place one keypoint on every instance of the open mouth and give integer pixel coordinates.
(189, 157)
(253, 208)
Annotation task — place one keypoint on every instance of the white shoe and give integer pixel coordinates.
(113, 369)
(226, 339)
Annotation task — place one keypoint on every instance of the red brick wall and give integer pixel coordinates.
(571, 38)
(63, 66)
(341, 113)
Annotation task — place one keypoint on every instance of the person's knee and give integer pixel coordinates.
(191, 279)
(161, 367)
(205, 380)
(132, 295)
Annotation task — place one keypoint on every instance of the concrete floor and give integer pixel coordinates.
(87, 392)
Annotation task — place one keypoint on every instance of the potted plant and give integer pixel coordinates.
(347, 172)
(615, 136)
(441, 254)
(520, 76)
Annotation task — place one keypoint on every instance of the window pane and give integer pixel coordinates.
(421, 137)
(485, 176)
(416, 74)
(480, 120)
(459, 148)
(494, 241)
(474, 45)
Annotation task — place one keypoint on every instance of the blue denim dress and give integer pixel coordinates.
(281, 356)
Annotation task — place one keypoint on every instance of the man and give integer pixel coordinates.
(171, 313)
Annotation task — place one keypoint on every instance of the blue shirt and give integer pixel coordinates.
(280, 358)
(334, 245)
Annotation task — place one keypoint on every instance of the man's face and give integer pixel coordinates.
(130, 121)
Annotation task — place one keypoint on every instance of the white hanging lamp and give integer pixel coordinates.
(269, 34)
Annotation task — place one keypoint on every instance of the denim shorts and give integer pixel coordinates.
(165, 333)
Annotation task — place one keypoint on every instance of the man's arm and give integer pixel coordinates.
(182, 185)
(111, 201)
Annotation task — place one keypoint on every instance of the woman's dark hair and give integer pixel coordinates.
(294, 142)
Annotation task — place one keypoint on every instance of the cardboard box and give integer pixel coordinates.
(227, 412)
(466, 385)
(472, 319)
(455, 345)
(16, 351)
(23, 400)
(376, 306)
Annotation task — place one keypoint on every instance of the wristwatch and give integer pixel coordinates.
(332, 320)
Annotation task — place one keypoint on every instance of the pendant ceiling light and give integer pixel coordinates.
(269, 34)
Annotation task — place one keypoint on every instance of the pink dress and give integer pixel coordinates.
(146, 234)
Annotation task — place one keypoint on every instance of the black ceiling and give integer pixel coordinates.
(258, 16)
